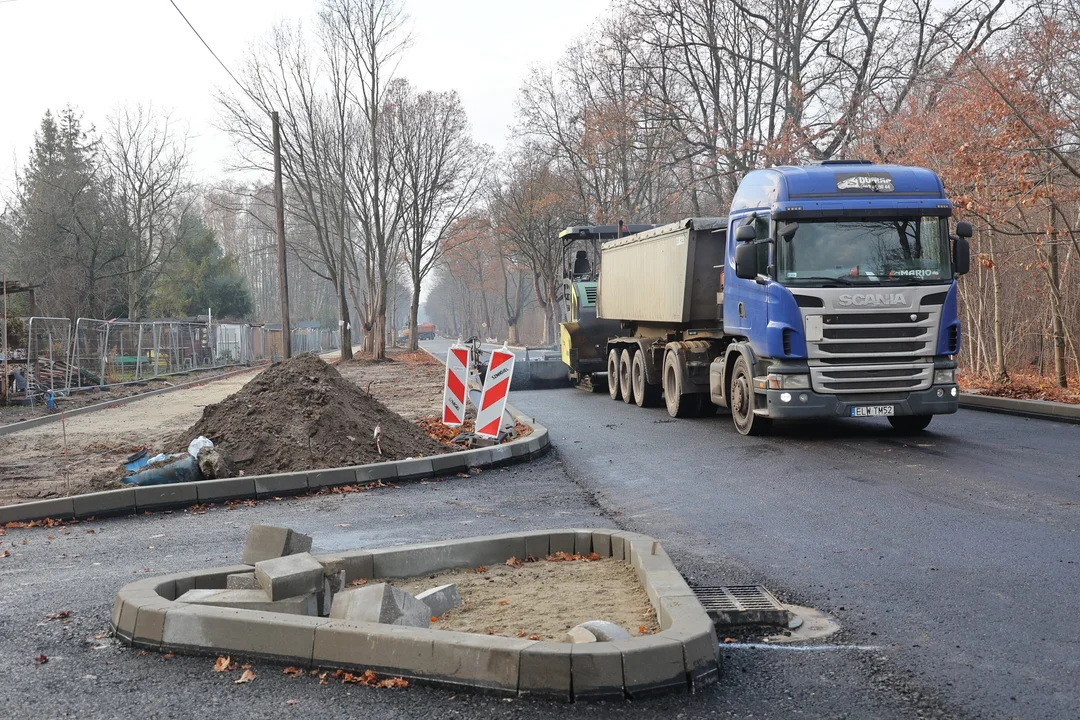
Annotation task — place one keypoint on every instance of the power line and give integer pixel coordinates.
(207, 46)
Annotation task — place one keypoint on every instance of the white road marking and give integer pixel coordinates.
(798, 648)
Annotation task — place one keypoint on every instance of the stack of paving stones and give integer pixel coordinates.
(286, 605)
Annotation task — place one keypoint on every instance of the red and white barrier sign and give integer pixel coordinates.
(496, 388)
(457, 364)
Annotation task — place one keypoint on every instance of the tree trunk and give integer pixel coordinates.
(1002, 372)
(1057, 321)
(414, 311)
(343, 310)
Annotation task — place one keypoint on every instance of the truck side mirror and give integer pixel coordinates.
(745, 233)
(961, 253)
(963, 229)
(746, 256)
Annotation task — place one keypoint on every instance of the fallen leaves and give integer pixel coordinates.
(515, 563)
(58, 615)
(521, 633)
(730, 640)
(503, 602)
(370, 679)
(293, 671)
(224, 664)
(534, 637)
(168, 656)
(434, 619)
(481, 569)
(6, 553)
(246, 677)
(562, 557)
(41, 659)
(358, 582)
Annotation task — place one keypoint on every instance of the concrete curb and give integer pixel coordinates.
(132, 500)
(683, 656)
(1041, 409)
(47, 419)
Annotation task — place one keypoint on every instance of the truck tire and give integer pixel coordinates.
(678, 405)
(741, 401)
(614, 391)
(626, 384)
(645, 395)
(907, 424)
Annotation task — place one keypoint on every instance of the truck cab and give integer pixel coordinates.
(840, 293)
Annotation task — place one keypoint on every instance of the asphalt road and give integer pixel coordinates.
(956, 551)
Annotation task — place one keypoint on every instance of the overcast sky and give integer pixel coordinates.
(97, 53)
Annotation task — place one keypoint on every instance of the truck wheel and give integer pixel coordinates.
(741, 400)
(613, 375)
(645, 395)
(625, 383)
(910, 423)
(678, 405)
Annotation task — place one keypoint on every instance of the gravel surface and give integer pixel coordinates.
(95, 677)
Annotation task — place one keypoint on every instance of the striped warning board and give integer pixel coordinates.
(457, 363)
(496, 387)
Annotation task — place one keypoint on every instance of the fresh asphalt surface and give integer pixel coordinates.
(951, 558)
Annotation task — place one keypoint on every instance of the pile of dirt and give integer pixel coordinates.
(301, 414)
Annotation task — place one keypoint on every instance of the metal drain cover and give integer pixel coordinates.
(742, 605)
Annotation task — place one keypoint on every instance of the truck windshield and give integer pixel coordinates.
(866, 251)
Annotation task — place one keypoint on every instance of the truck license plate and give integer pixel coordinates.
(873, 411)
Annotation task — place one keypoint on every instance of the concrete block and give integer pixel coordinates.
(537, 546)
(605, 631)
(519, 448)
(238, 488)
(598, 672)
(665, 583)
(561, 542)
(117, 608)
(265, 542)
(268, 486)
(424, 559)
(288, 638)
(289, 576)
(159, 497)
(357, 565)
(476, 457)
(392, 649)
(617, 545)
(416, 468)
(242, 581)
(217, 578)
(102, 504)
(651, 665)
(448, 463)
(376, 471)
(601, 544)
(533, 445)
(333, 583)
(441, 599)
(486, 661)
(701, 658)
(501, 454)
(582, 542)
(150, 624)
(381, 603)
(544, 670)
(56, 509)
(332, 477)
(579, 634)
(251, 600)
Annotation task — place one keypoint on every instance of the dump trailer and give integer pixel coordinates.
(828, 291)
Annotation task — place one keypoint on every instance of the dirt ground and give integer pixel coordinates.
(33, 464)
(410, 384)
(543, 600)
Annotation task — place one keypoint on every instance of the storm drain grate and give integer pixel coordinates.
(742, 605)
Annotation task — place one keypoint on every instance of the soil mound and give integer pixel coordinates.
(300, 414)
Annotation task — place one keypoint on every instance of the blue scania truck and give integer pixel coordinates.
(829, 291)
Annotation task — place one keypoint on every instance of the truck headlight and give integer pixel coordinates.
(789, 382)
(944, 377)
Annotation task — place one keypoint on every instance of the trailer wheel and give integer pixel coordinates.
(678, 405)
(613, 374)
(626, 384)
(645, 395)
(906, 424)
(741, 400)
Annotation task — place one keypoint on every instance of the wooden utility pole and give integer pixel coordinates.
(279, 212)
(4, 378)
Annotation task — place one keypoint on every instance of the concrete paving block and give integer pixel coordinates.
(665, 583)
(424, 559)
(118, 606)
(183, 583)
(242, 581)
(332, 477)
(103, 504)
(277, 636)
(251, 600)
(651, 665)
(416, 468)
(150, 624)
(289, 576)
(448, 463)
(519, 448)
(268, 486)
(357, 564)
(217, 578)
(598, 672)
(441, 599)
(617, 545)
(159, 497)
(605, 631)
(601, 544)
(486, 661)
(39, 510)
(476, 457)
(537, 545)
(501, 454)
(376, 471)
(579, 634)
(533, 445)
(561, 542)
(238, 488)
(393, 649)
(582, 542)
(333, 584)
(544, 670)
(265, 542)
(701, 654)
(381, 603)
